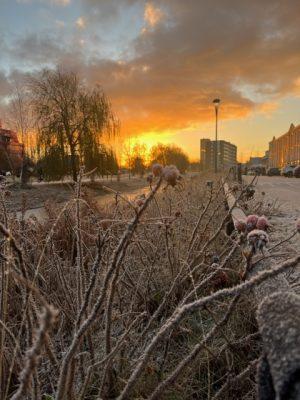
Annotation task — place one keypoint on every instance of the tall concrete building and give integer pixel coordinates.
(227, 154)
(285, 150)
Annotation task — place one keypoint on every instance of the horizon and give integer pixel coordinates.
(162, 63)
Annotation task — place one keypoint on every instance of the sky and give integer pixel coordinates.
(162, 62)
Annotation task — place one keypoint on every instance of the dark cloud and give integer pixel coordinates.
(4, 85)
(5, 90)
(241, 51)
(37, 48)
(107, 11)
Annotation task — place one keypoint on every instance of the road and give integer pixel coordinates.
(286, 193)
(285, 190)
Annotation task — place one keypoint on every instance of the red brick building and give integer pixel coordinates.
(11, 150)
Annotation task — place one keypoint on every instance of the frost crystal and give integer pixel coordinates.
(262, 223)
(240, 226)
(171, 174)
(257, 239)
(157, 169)
(251, 222)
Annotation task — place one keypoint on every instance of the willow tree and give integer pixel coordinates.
(70, 116)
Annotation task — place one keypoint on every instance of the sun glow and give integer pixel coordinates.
(146, 140)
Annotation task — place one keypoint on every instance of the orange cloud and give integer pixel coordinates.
(268, 108)
(81, 23)
(152, 15)
(161, 83)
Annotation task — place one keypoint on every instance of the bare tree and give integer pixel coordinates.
(169, 154)
(20, 119)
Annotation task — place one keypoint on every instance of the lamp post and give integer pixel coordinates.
(216, 103)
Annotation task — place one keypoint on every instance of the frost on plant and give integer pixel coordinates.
(157, 169)
(257, 239)
(171, 175)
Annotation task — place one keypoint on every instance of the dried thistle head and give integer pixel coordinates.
(157, 169)
(240, 226)
(150, 178)
(251, 222)
(257, 239)
(171, 174)
(262, 223)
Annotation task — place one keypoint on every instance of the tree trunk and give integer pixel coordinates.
(73, 163)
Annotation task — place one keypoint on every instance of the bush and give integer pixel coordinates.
(121, 277)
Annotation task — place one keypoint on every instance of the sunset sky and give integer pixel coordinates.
(162, 62)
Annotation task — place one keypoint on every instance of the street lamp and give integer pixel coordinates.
(216, 103)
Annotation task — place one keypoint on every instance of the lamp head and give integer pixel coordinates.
(216, 102)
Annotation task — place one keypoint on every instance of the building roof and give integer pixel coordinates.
(292, 128)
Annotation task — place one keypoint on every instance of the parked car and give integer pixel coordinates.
(273, 172)
(288, 171)
(257, 170)
(297, 172)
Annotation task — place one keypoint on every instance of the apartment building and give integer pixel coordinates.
(227, 154)
(285, 150)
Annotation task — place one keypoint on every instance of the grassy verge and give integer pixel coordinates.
(107, 299)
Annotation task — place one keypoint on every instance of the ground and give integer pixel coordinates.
(285, 190)
(34, 196)
(284, 194)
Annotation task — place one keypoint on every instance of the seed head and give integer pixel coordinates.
(171, 174)
(257, 239)
(240, 226)
(150, 178)
(157, 169)
(262, 223)
(251, 222)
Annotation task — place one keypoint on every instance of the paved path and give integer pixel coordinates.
(285, 190)
(103, 200)
(285, 193)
